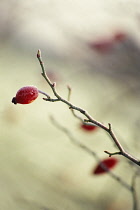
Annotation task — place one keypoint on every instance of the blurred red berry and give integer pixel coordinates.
(25, 95)
(102, 46)
(88, 128)
(120, 36)
(105, 165)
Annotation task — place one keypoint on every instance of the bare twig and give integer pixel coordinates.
(89, 119)
(72, 110)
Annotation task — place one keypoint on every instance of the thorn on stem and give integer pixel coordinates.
(54, 84)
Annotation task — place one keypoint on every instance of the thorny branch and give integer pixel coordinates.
(89, 119)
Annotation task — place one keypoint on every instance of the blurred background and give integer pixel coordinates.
(93, 46)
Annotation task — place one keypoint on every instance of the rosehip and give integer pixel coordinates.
(88, 128)
(25, 95)
(105, 165)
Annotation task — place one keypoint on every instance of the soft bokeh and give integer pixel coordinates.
(94, 47)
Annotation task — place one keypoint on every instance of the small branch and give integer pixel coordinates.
(43, 69)
(114, 153)
(115, 139)
(69, 92)
(72, 110)
(85, 113)
(48, 97)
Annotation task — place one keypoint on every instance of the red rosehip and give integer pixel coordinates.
(25, 95)
(88, 128)
(105, 165)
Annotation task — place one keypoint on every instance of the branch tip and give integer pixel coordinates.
(69, 92)
(38, 53)
(109, 124)
(69, 88)
(108, 153)
(113, 153)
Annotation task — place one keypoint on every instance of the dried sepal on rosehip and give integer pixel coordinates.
(105, 165)
(88, 128)
(25, 95)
